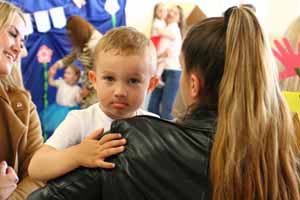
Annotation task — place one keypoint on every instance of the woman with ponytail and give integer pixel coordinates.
(254, 154)
(236, 142)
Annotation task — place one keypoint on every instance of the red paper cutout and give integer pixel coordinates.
(288, 58)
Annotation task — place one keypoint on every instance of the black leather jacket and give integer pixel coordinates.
(162, 161)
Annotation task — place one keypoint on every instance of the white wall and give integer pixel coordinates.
(275, 15)
(280, 14)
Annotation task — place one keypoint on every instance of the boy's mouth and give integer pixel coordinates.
(119, 105)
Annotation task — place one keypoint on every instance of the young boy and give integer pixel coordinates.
(124, 68)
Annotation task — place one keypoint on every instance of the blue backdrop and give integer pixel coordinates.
(57, 40)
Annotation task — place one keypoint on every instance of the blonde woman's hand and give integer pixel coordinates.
(92, 152)
(8, 180)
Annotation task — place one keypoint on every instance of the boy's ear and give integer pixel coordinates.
(152, 84)
(92, 77)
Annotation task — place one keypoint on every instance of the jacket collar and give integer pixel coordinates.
(203, 117)
(17, 128)
(3, 93)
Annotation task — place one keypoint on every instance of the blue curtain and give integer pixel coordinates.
(57, 40)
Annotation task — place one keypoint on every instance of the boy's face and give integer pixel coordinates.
(121, 83)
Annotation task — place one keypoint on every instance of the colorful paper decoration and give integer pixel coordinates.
(293, 100)
(288, 58)
(29, 28)
(42, 21)
(58, 17)
(112, 7)
(79, 3)
(44, 56)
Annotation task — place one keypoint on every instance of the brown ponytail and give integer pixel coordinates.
(253, 154)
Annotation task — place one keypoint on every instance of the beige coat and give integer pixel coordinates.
(20, 125)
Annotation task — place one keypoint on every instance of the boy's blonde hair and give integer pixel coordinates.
(126, 41)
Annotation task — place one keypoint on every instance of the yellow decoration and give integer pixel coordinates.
(293, 100)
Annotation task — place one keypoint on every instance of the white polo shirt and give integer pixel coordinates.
(80, 123)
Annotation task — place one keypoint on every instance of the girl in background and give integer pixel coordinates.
(165, 97)
(84, 37)
(67, 98)
(158, 25)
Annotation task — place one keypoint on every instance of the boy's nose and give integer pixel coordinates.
(120, 91)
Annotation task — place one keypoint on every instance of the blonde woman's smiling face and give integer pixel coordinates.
(11, 44)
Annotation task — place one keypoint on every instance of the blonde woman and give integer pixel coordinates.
(20, 131)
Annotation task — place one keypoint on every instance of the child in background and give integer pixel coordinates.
(67, 98)
(84, 37)
(124, 62)
(162, 99)
(158, 25)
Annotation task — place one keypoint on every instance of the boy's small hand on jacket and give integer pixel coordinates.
(92, 152)
(8, 180)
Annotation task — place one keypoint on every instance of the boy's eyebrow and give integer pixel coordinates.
(133, 74)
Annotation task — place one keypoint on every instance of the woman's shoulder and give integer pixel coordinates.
(19, 93)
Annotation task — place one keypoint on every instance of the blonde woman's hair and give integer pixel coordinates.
(254, 153)
(293, 35)
(8, 12)
(126, 41)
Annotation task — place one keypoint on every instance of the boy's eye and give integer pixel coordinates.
(108, 78)
(133, 81)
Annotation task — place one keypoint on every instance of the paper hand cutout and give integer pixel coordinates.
(288, 58)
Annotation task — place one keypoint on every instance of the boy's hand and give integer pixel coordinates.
(8, 180)
(92, 152)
